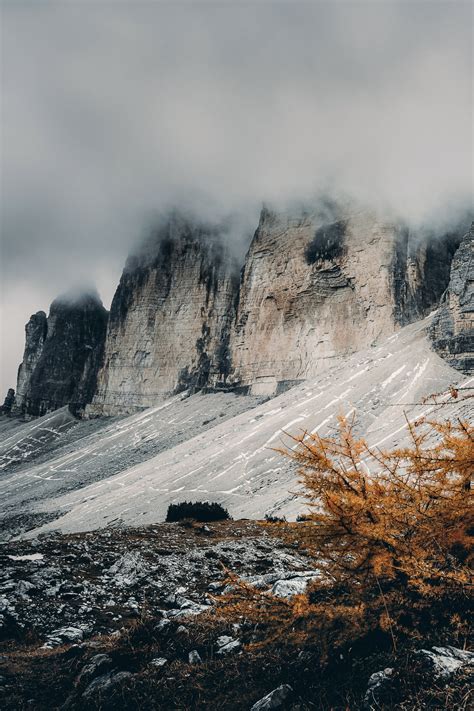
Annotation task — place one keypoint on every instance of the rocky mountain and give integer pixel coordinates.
(213, 446)
(453, 328)
(8, 403)
(62, 355)
(170, 319)
(313, 290)
(315, 285)
(124, 610)
(35, 335)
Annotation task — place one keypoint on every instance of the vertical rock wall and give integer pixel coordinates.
(312, 291)
(62, 355)
(453, 327)
(170, 319)
(35, 335)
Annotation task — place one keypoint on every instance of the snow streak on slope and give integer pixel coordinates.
(234, 463)
(21, 442)
(47, 457)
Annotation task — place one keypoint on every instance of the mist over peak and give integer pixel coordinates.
(79, 295)
(115, 112)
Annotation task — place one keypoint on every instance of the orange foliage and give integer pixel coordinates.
(403, 515)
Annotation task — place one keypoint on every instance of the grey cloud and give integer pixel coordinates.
(115, 110)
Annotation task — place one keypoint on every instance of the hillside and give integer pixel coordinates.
(217, 446)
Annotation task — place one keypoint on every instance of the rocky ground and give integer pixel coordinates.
(70, 595)
(127, 619)
(96, 582)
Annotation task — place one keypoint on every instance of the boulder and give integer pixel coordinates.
(105, 683)
(289, 588)
(194, 657)
(64, 635)
(227, 645)
(375, 685)
(274, 700)
(158, 662)
(445, 661)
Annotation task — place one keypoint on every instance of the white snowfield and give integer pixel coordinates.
(234, 461)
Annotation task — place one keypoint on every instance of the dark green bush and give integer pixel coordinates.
(199, 511)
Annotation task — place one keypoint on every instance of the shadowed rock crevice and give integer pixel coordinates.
(328, 242)
(420, 272)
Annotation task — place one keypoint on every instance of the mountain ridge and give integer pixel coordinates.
(315, 285)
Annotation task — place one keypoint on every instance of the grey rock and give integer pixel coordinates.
(189, 609)
(128, 570)
(289, 588)
(62, 355)
(104, 684)
(162, 625)
(375, 684)
(159, 662)
(98, 664)
(194, 657)
(24, 587)
(274, 700)
(64, 635)
(452, 331)
(223, 640)
(446, 660)
(227, 645)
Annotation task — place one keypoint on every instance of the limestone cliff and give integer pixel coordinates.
(170, 318)
(35, 335)
(313, 290)
(62, 355)
(315, 286)
(453, 327)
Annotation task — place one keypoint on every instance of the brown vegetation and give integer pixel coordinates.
(391, 535)
(403, 516)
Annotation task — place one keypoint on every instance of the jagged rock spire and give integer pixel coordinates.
(62, 354)
(453, 327)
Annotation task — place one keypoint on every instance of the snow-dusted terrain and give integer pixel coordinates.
(220, 447)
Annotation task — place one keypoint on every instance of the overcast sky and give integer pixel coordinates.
(114, 110)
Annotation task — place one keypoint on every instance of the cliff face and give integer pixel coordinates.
(311, 291)
(170, 318)
(35, 335)
(62, 355)
(452, 332)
